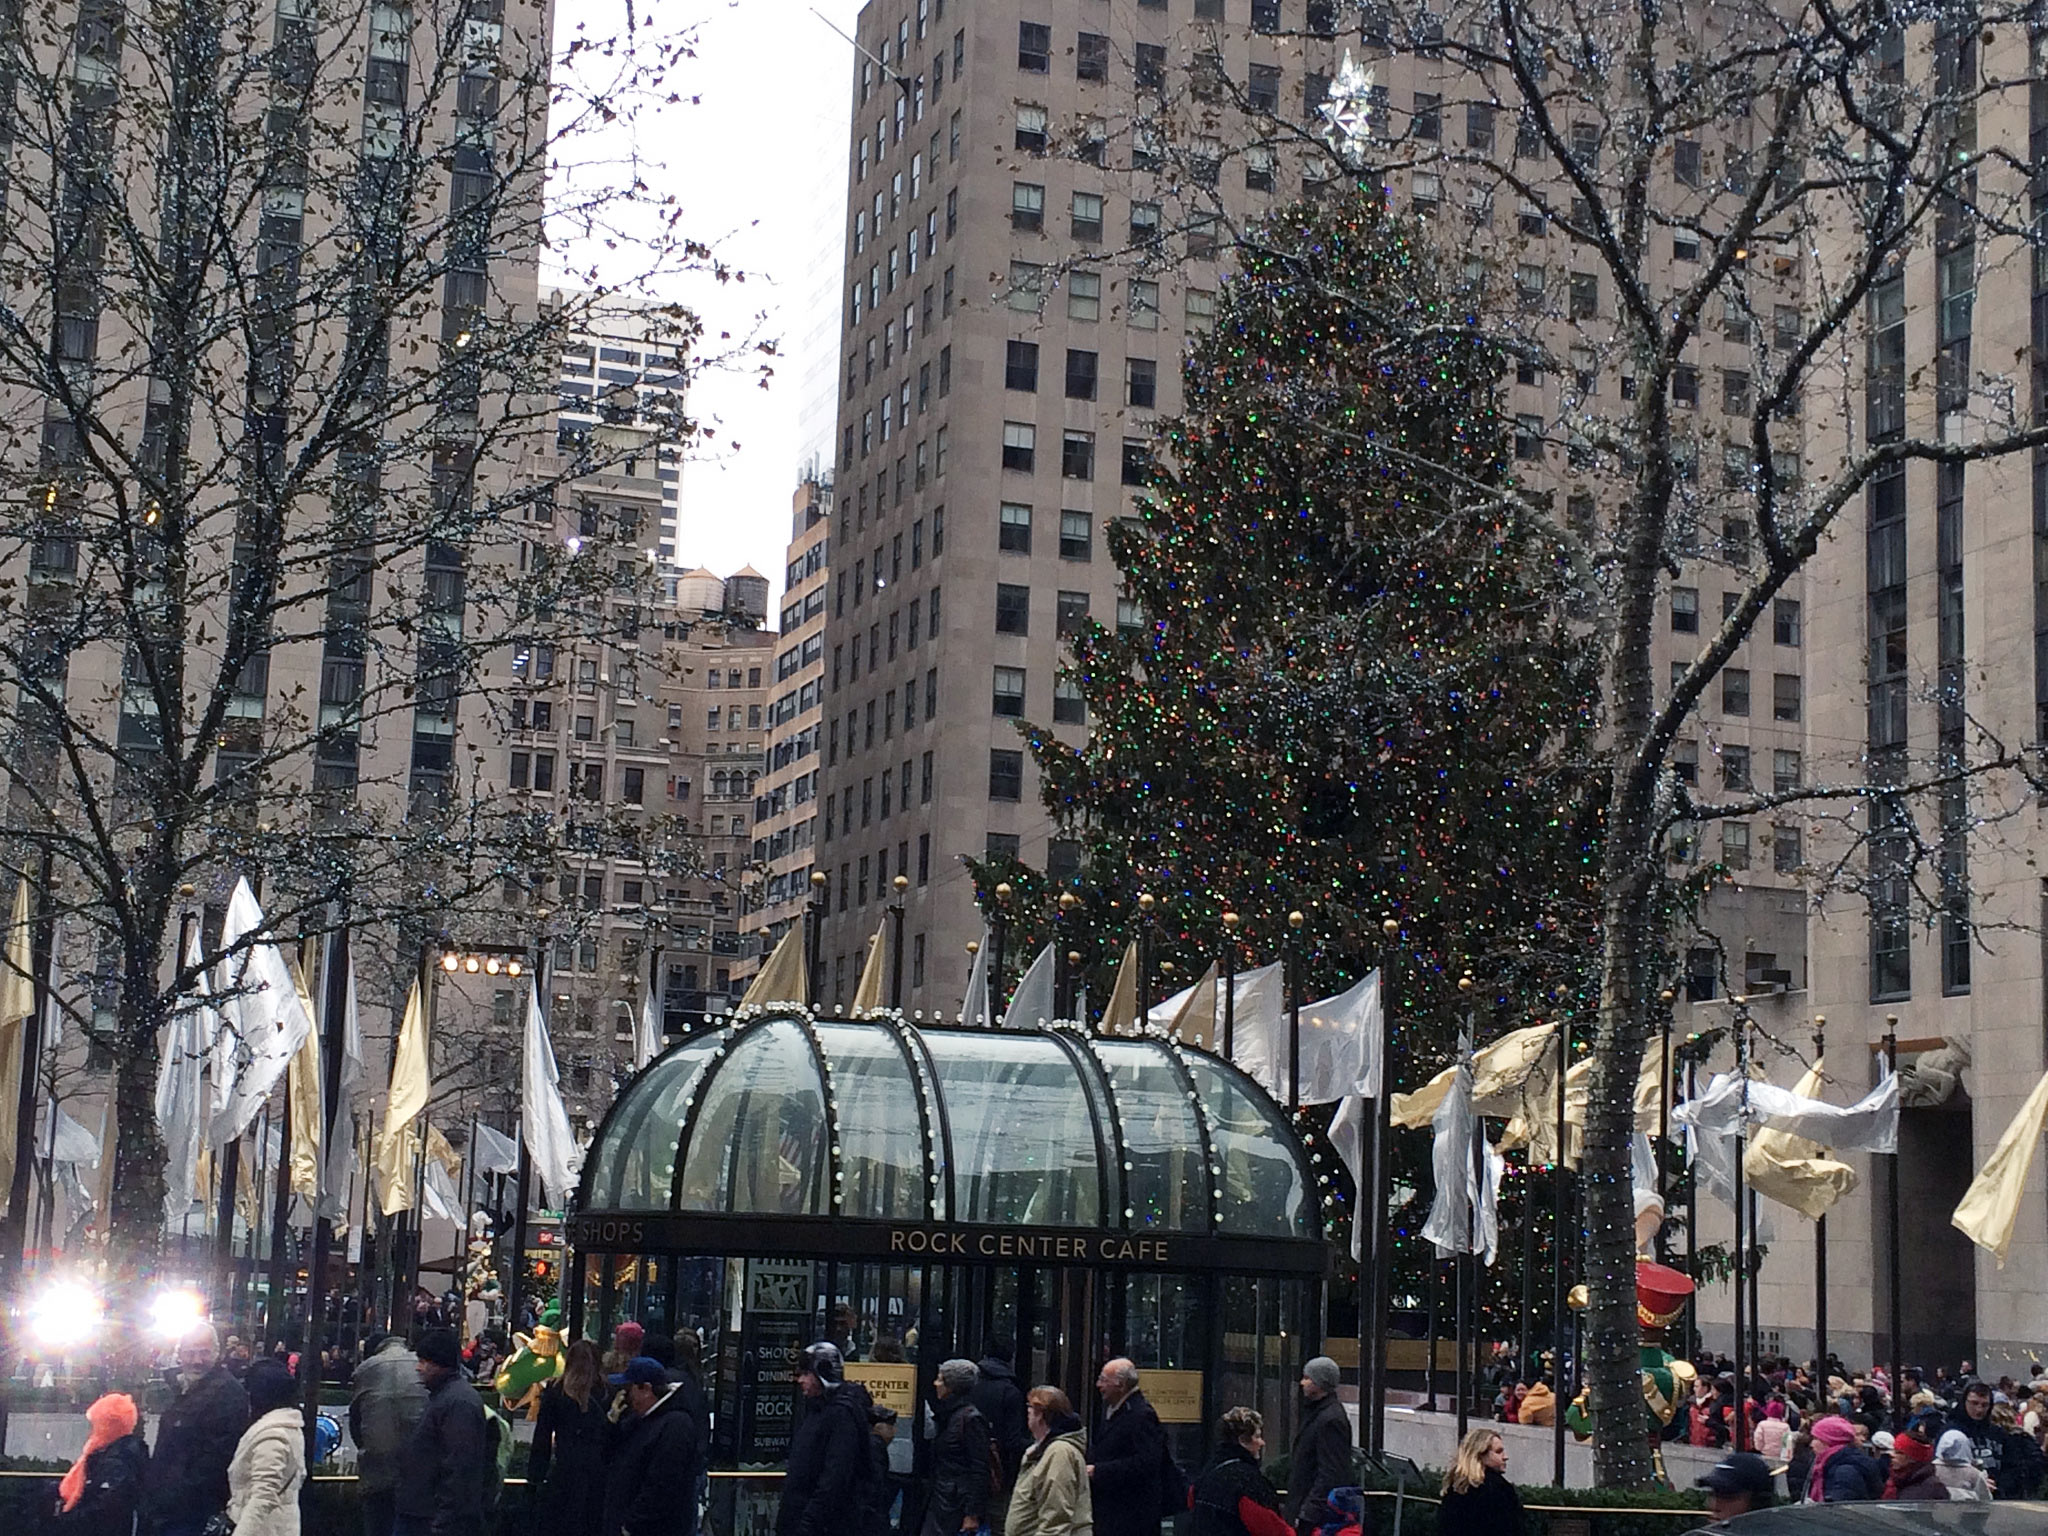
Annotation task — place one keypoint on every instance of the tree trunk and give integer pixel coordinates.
(135, 1224)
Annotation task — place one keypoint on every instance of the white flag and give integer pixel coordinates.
(1031, 1003)
(73, 1142)
(1450, 1225)
(1339, 1039)
(181, 1089)
(495, 1153)
(266, 1020)
(647, 1041)
(974, 1007)
(1348, 1131)
(543, 1118)
(1871, 1124)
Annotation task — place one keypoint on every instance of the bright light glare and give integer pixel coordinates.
(66, 1313)
(172, 1314)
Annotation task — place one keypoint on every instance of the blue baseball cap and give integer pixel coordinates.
(643, 1371)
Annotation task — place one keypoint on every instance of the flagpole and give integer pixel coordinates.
(515, 1299)
(1892, 1310)
(1557, 1250)
(901, 884)
(1820, 1242)
(1230, 922)
(280, 1217)
(999, 933)
(1741, 1276)
(335, 986)
(1293, 979)
(1667, 997)
(1467, 1263)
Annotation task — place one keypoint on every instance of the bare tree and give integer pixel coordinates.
(279, 534)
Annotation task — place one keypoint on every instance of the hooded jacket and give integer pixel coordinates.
(382, 1410)
(441, 1467)
(650, 1483)
(1321, 1459)
(828, 1464)
(264, 1477)
(996, 1395)
(1053, 1497)
(187, 1478)
(113, 1489)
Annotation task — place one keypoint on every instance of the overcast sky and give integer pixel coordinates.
(753, 156)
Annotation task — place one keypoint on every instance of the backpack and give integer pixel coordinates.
(498, 1446)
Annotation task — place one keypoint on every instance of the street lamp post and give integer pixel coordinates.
(1294, 922)
(1383, 1151)
(999, 936)
(814, 934)
(1146, 903)
(1230, 922)
(1064, 959)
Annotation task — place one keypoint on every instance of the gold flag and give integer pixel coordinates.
(1794, 1171)
(304, 1091)
(1499, 1074)
(785, 978)
(1992, 1202)
(1195, 1024)
(867, 997)
(439, 1149)
(1121, 1016)
(410, 1084)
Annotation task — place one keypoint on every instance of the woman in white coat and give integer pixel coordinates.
(270, 1462)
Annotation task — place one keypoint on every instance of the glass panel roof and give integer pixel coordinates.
(995, 1127)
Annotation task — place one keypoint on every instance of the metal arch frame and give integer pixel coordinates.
(1212, 1162)
(618, 1105)
(945, 1125)
(927, 1103)
(688, 1126)
(1076, 1056)
(1250, 1087)
(807, 1027)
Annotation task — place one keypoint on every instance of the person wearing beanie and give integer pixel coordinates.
(1321, 1458)
(101, 1493)
(1843, 1472)
(1957, 1471)
(628, 1342)
(270, 1461)
(441, 1471)
(1772, 1432)
(1912, 1473)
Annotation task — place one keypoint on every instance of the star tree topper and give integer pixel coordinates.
(1347, 109)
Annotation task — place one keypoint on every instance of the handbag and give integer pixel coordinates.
(222, 1524)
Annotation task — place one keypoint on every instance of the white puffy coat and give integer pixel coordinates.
(264, 1477)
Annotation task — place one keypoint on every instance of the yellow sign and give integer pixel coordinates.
(891, 1386)
(1176, 1396)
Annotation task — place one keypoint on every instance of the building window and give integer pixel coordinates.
(1005, 774)
(1145, 223)
(1013, 609)
(1091, 57)
(1685, 162)
(1068, 707)
(1785, 769)
(1027, 206)
(1034, 47)
(1262, 90)
(1735, 844)
(1685, 761)
(1141, 382)
(1150, 66)
(1013, 531)
(1201, 309)
(1735, 690)
(1020, 366)
(1077, 536)
(1785, 620)
(1144, 310)
(1071, 613)
(1009, 692)
(1785, 696)
(1086, 216)
(1020, 446)
(1137, 464)
(1027, 284)
(632, 785)
(1528, 436)
(1786, 854)
(1077, 455)
(1080, 374)
(1734, 767)
(1031, 131)
(1084, 295)
(1685, 384)
(1685, 610)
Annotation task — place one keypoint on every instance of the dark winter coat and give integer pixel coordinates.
(442, 1467)
(566, 1467)
(1000, 1402)
(1231, 1497)
(386, 1402)
(1852, 1476)
(187, 1476)
(1490, 1508)
(2003, 1457)
(961, 1484)
(1918, 1481)
(828, 1464)
(112, 1495)
(1321, 1459)
(1129, 1454)
(881, 1493)
(650, 1484)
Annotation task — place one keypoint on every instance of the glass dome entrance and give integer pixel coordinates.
(876, 1120)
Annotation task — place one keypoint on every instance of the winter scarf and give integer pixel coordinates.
(112, 1419)
(1829, 1436)
(1915, 1453)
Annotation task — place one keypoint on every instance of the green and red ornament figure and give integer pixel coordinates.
(1661, 1297)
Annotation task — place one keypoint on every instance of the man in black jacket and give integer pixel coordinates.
(1000, 1402)
(186, 1484)
(1322, 1447)
(828, 1455)
(1128, 1454)
(441, 1470)
(650, 1483)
